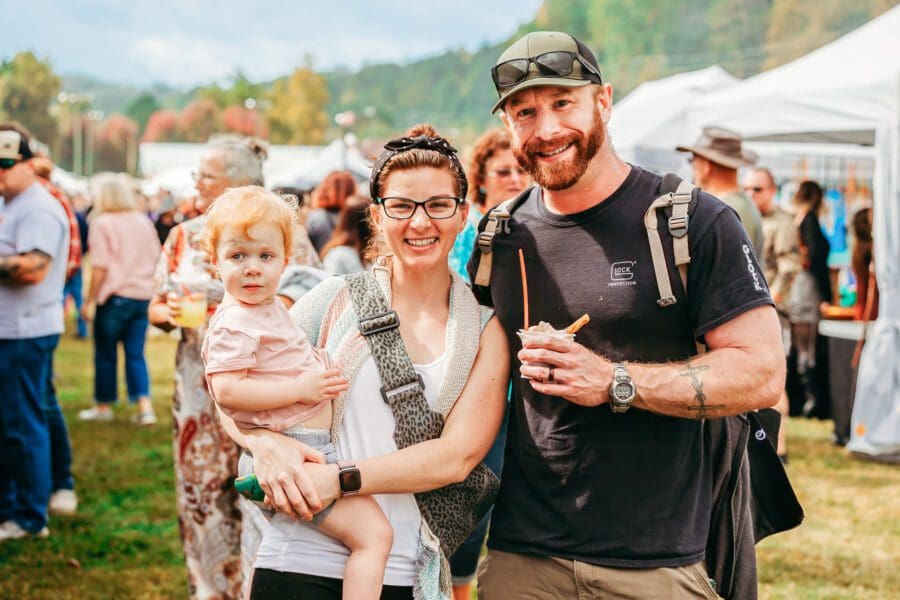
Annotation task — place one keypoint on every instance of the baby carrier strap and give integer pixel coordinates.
(452, 511)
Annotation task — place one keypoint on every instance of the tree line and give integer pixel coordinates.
(635, 41)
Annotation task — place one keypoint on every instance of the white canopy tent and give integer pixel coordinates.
(339, 155)
(845, 92)
(173, 159)
(649, 122)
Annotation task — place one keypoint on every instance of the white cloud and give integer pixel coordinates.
(191, 42)
(178, 59)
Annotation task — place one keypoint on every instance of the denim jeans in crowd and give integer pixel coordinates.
(60, 446)
(73, 288)
(25, 479)
(120, 320)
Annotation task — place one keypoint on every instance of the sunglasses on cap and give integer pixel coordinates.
(8, 163)
(558, 63)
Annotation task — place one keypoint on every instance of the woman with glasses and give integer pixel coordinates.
(494, 176)
(418, 186)
(209, 516)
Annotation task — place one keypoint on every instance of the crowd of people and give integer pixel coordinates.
(372, 360)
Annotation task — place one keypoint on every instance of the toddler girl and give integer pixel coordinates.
(263, 372)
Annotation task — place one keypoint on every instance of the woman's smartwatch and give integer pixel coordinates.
(348, 478)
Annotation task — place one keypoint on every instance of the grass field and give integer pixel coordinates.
(124, 541)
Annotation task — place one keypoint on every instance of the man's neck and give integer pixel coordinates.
(10, 195)
(604, 175)
(721, 184)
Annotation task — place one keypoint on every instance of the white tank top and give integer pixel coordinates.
(366, 431)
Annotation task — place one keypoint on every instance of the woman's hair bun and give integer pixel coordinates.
(421, 129)
(258, 147)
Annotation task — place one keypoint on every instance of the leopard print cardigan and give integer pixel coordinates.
(327, 316)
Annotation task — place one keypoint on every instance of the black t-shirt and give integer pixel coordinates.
(633, 489)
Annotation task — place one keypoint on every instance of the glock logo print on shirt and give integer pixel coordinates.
(621, 273)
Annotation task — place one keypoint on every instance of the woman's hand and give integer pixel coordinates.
(88, 309)
(161, 313)
(279, 467)
(324, 478)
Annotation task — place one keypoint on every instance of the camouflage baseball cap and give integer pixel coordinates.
(543, 58)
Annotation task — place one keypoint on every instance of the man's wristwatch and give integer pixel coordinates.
(348, 478)
(622, 391)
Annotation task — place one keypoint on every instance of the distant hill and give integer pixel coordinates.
(635, 41)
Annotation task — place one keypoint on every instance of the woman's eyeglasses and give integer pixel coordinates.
(436, 207)
(559, 63)
(8, 163)
(198, 175)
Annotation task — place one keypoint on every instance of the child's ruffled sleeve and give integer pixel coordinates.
(229, 350)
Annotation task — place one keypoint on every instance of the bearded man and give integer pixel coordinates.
(607, 487)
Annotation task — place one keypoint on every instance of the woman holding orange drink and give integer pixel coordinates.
(212, 520)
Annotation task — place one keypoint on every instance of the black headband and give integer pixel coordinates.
(421, 142)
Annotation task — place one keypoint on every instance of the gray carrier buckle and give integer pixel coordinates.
(379, 323)
(390, 395)
(667, 301)
(678, 226)
(484, 242)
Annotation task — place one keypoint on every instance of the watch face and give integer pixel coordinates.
(623, 392)
(349, 480)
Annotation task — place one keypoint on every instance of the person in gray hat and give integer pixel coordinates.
(606, 486)
(34, 243)
(715, 160)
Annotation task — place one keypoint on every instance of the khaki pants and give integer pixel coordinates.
(507, 576)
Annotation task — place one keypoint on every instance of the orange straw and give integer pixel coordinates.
(524, 285)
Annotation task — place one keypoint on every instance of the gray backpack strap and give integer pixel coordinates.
(498, 221)
(453, 511)
(681, 196)
(678, 227)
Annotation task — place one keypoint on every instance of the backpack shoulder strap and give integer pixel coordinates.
(498, 222)
(681, 197)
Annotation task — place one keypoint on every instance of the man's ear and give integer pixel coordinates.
(603, 96)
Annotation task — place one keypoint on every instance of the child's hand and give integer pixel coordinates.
(318, 386)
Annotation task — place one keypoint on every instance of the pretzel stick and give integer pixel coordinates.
(524, 286)
(581, 322)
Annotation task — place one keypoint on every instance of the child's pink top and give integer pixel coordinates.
(270, 345)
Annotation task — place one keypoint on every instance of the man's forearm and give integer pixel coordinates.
(24, 269)
(718, 384)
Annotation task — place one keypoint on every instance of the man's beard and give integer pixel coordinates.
(564, 174)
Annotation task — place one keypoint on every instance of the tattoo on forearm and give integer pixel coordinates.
(701, 408)
(23, 267)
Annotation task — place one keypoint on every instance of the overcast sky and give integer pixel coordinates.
(187, 42)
